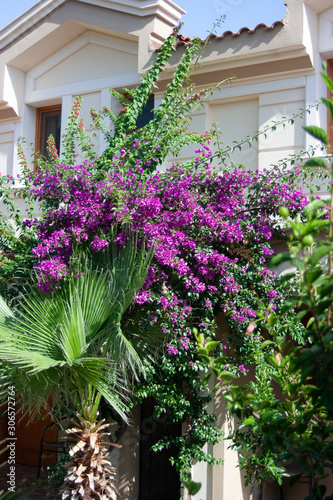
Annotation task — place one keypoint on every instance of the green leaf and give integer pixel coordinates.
(203, 352)
(301, 314)
(280, 258)
(317, 132)
(319, 252)
(192, 486)
(249, 421)
(295, 479)
(329, 105)
(206, 378)
(220, 361)
(272, 320)
(284, 212)
(315, 162)
(201, 339)
(327, 81)
(71, 342)
(266, 343)
(319, 223)
(225, 374)
(314, 205)
(309, 323)
(286, 277)
(204, 356)
(326, 290)
(211, 345)
(312, 275)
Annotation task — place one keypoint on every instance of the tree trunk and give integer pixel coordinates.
(252, 489)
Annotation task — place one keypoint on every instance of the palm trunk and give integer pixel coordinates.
(90, 473)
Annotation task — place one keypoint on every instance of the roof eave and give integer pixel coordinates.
(164, 9)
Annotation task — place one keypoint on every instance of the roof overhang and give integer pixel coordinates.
(166, 10)
(319, 6)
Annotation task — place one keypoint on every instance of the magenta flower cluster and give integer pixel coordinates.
(50, 273)
(210, 231)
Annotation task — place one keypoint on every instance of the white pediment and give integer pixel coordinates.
(91, 61)
(90, 54)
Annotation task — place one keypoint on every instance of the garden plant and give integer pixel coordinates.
(64, 349)
(285, 411)
(200, 233)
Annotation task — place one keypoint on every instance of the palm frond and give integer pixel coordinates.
(5, 312)
(72, 339)
(125, 350)
(128, 267)
(95, 292)
(29, 361)
(102, 374)
(60, 347)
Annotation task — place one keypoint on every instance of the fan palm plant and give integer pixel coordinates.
(68, 349)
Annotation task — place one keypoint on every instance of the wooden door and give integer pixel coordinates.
(28, 440)
(28, 436)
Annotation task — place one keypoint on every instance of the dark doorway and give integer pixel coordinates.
(158, 478)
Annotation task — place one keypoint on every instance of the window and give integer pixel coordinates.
(48, 122)
(147, 113)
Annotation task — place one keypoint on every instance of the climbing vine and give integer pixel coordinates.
(210, 228)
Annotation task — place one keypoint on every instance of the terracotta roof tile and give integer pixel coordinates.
(186, 40)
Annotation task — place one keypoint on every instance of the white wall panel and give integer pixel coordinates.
(90, 62)
(6, 152)
(236, 120)
(289, 136)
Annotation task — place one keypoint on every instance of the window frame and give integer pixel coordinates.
(41, 114)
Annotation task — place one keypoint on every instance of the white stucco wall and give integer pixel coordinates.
(6, 150)
(325, 42)
(242, 110)
(236, 119)
(287, 139)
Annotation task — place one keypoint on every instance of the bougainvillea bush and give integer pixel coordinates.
(211, 231)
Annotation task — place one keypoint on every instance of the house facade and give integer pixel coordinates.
(59, 49)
